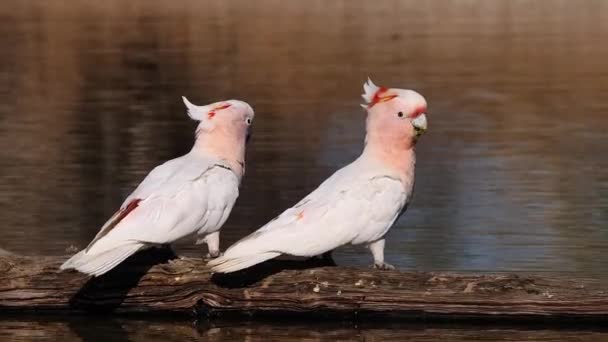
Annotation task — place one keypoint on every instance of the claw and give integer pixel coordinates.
(213, 255)
(384, 266)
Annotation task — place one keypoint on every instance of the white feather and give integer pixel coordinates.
(369, 90)
(195, 112)
(239, 263)
(355, 205)
(184, 196)
(98, 264)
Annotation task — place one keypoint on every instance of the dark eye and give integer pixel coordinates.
(248, 121)
(400, 114)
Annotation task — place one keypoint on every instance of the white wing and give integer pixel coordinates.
(173, 201)
(170, 175)
(353, 206)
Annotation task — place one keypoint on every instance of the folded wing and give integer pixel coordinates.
(159, 211)
(337, 213)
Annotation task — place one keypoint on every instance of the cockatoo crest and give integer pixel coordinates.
(374, 94)
(201, 112)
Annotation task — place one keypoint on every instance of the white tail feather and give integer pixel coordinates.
(226, 264)
(98, 264)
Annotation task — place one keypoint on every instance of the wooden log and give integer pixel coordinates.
(152, 283)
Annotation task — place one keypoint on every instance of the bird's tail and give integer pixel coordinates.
(100, 263)
(228, 263)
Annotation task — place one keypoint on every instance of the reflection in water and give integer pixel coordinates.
(510, 176)
(77, 329)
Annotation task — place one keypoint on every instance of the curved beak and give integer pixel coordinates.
(420, 124)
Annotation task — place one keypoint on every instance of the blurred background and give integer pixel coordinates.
(510, 176)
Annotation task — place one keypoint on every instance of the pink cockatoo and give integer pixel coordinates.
(189, 195)
(357, 204)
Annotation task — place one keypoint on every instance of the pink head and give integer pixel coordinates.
(223, 129)
(396, 117)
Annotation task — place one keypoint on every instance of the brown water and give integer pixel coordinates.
(510, 176)
(116, 330)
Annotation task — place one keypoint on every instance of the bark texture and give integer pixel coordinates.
(156, 281)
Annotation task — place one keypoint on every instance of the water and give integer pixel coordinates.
(510, 176)
(78, 329)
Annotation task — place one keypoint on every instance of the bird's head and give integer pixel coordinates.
(395, 116)
(229, 119)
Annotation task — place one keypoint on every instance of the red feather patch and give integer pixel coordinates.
(118, 216)
(418, 112)
(127, 210)
(211, 114)
(379, 98)
(224, 106)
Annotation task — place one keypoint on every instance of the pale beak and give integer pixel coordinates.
(420, 124)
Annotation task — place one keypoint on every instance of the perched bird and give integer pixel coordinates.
(192, 194)
(357, 204)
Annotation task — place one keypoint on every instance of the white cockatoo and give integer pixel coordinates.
(192, 194)
(357, 204)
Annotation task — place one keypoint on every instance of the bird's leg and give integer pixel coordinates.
(377, 249)
(324, 259)
(328, 259)
(167, 249)
(213, 243)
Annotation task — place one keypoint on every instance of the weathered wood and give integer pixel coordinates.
(149, 283)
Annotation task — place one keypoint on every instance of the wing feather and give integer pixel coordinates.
(342, 210)
(115, 220)
(160, 209)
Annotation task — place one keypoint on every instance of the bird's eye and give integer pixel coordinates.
(248, 121)
(400, 114)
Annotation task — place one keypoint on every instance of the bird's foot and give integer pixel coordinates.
(383, 266)
(324, 259)
(213, 255)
